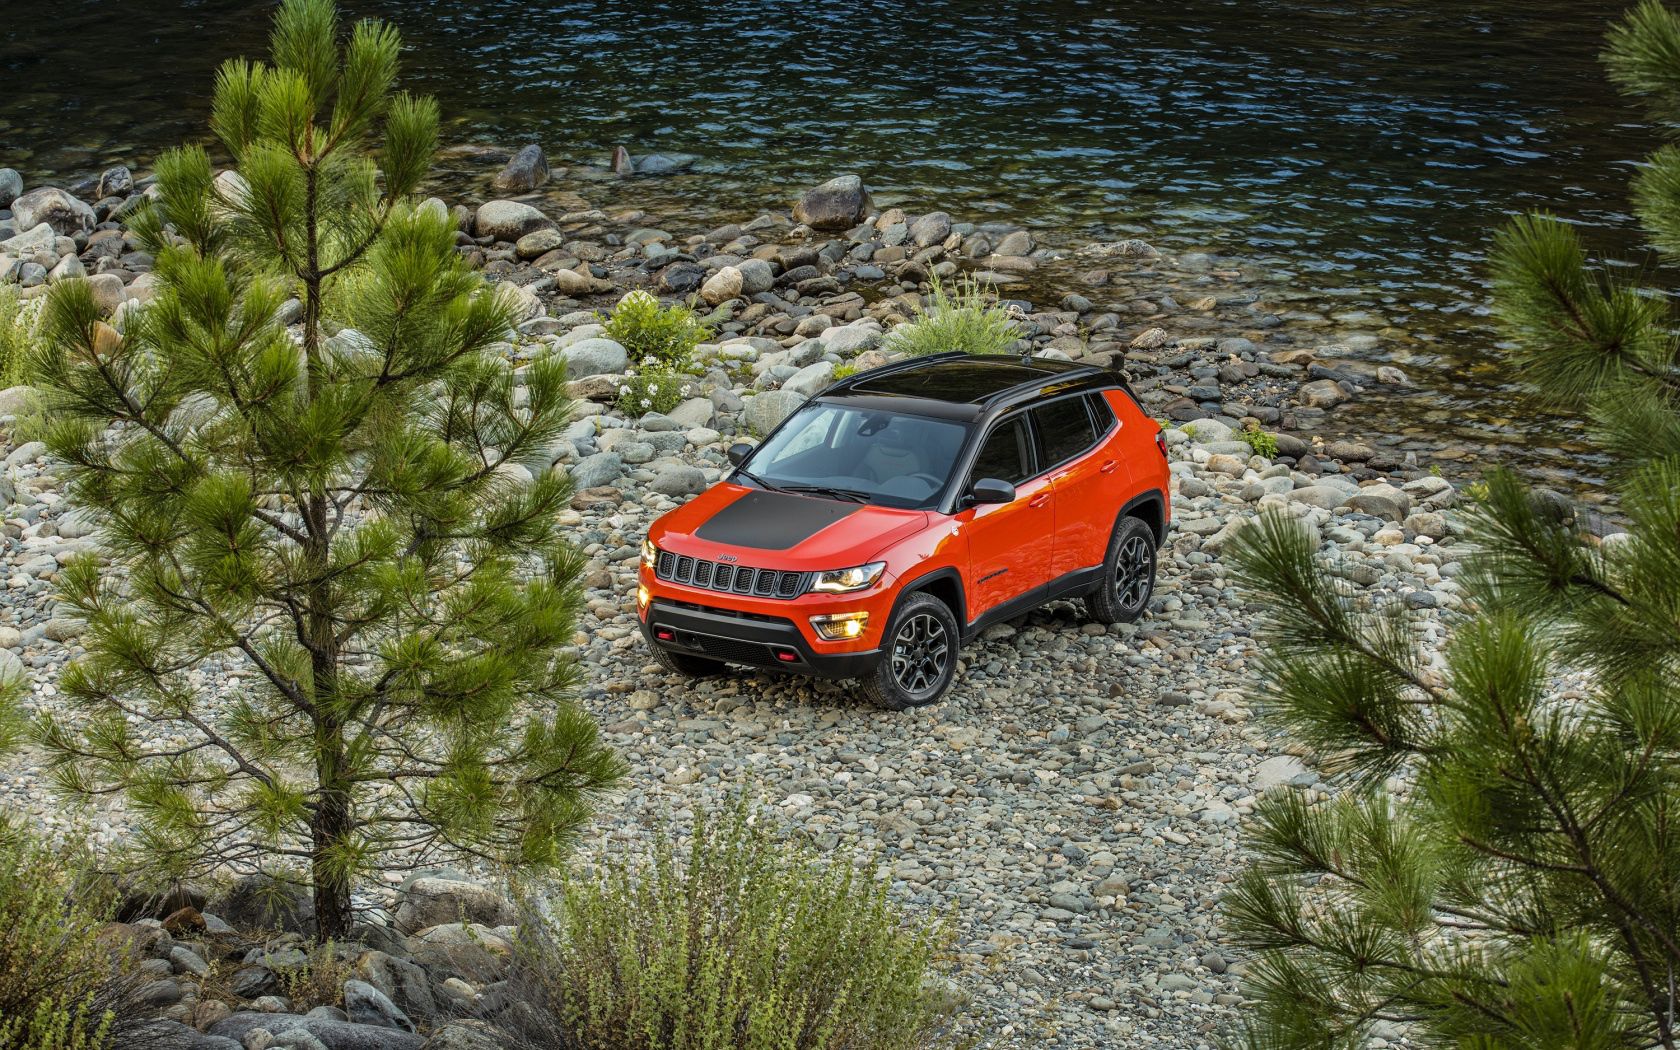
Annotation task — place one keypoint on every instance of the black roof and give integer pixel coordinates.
(967, 386)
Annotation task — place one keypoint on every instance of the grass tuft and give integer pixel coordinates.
(964, 317)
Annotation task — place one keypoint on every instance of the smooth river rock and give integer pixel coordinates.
(837, 204)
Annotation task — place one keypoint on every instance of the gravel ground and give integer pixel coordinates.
(1074, 803)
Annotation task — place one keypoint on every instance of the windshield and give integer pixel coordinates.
(851, 453)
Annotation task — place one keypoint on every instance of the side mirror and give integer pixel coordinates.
(991, 490)
(739, 452)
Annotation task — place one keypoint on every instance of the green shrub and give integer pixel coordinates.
(963, 318)
(19, 326)
(748, 942)
(652, 390)
(666, 334)
(61, 986)
(844, 372)
(1260, 441)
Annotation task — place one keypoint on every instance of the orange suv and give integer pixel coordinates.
(892, 517)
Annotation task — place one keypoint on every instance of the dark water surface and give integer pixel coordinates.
(1359, 151)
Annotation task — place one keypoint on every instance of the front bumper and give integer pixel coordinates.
(746, 638)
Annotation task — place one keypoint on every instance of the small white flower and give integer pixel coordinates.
(685, 389)
(625, 390)
(650, 360)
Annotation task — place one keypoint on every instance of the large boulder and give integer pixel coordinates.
(465, 1035)
(930, 229)
(526, 171)
(837, 204)
(756, 276)
(38, 239)
(404, 983)
(11, 186)
(695, 412)
(677, 479)
(334, 1035)
(1324, 497)
(723, 286)
(1382, 501)
(508, 220)
(850, 339)
(603, 468)
(471, 951)
(365, 1004)
(538, 243)
(108, 292)
(55, 207)
(115, 182)
(428, 901)
(810, 379)
(595, 357)
(765, 411)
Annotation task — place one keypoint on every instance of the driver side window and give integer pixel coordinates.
(1006, 454)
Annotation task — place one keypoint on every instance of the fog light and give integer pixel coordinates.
(643, 596)
(840, 627)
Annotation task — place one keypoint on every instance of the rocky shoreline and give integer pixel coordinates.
(1075, 802)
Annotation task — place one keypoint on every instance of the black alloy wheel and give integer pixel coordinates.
(919, 657)
(1128, 574)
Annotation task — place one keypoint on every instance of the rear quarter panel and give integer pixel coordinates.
(1134, 441)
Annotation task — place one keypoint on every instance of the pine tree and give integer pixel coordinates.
(358, 518)
(1523, 890)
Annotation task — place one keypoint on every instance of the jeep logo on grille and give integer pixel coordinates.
(730, 558)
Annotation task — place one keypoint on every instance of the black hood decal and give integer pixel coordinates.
(773, 521)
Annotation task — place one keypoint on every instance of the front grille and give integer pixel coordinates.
(718, 610)
(735, 579)
(734, 650)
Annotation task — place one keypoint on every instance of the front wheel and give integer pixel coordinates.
(919, 658)
(1128, 574)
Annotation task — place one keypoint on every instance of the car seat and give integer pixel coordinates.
(888, 459)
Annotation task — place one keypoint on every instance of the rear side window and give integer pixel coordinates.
(1102, 413)
(1064, 430)
(1006, 454)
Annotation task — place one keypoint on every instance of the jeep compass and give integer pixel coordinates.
(892, 517)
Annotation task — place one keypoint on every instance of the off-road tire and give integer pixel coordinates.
(1128, 574)
(919, 653)
(684, 664)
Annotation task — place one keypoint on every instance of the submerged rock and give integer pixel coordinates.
(527, 170)
(837, 204)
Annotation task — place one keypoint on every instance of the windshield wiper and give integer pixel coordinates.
(828, 490)
(756, 480)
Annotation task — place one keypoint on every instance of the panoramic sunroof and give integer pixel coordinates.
(962, 381)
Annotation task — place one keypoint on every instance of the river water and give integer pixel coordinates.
(1358, 154)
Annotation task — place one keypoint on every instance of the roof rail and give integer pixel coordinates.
(896, 366)
(1027, 386)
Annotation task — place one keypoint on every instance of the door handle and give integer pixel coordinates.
(1039, 500)
(1108, 466)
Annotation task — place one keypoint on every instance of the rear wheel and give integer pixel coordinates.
(684, 664)
(1128, 574)
(919, 657)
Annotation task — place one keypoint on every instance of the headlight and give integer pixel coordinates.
(840, 581)
(650, 553)
(839, 627)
